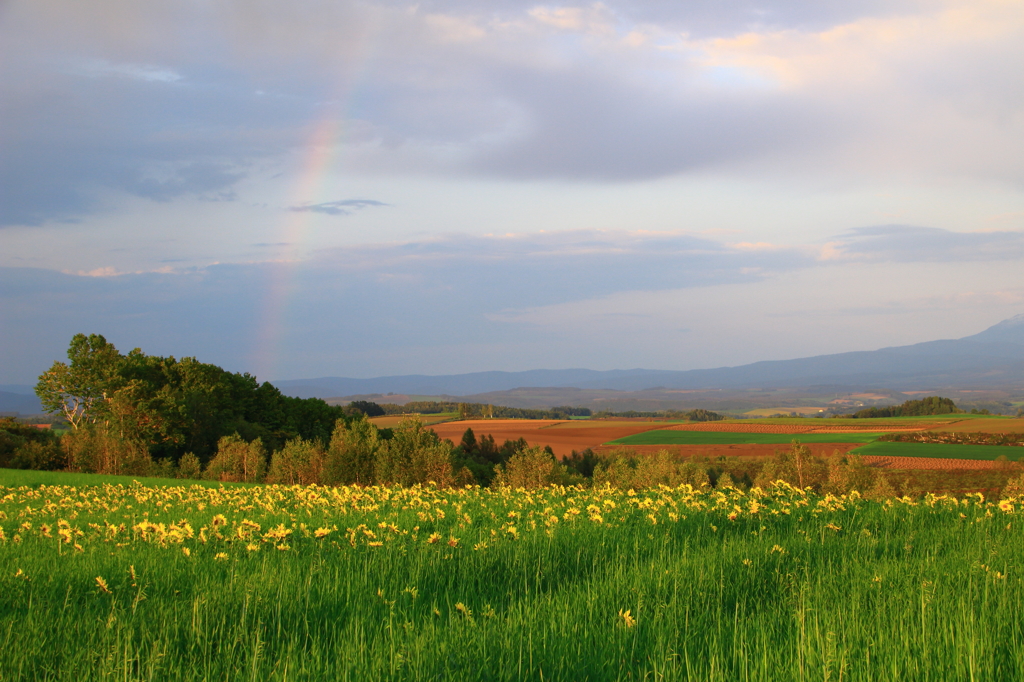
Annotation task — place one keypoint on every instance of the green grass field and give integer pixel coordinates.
(13, 478)
(940, 450)
(670, 437)
(305, 583)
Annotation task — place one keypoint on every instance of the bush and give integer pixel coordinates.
(299, 462)
(189, 466)
(532, 467)
(415, 454)
(798, 467)
(95, 450)
(351, 453)
(237, 460)
(625, 469)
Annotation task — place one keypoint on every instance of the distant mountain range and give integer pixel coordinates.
(20, 399)
(993, 358)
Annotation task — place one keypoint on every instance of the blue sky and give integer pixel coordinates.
(371, 188)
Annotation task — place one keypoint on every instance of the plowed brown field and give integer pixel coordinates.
(733, 427)
(562, 436)
(737, 450)
(983, 426)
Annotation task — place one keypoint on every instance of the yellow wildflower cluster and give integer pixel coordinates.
(225, 522)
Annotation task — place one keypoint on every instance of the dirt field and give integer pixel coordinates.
(733, 427)
(984, 426)
(756, 451)
(562, 436)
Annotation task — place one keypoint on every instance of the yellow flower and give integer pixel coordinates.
(321, 532)
(627, 620)
(186, 551)
(219, 520)
(102, 584)
(464, 610)
(453, 541)
(434, 537)
(252, 547)
(221, 556)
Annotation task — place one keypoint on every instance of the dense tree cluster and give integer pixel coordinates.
(912, 408)
(139, 405)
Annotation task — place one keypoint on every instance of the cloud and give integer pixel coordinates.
(130, 98)
(909, 243)
(461, 303)
(343, 207)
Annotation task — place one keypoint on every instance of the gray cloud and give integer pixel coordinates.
(88, 106)
(430, 292)
(342, 207)
(909, 243)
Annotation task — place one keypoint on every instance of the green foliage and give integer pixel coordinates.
(299, 462)
(26, 447)
(531, 467)
(351, 453)
(624, 469)
(99, 451)
(238, 461)
(931, 405)
(173, 406)
(798, 589)
(365, 408)
(797, 467)
(189, 466)
(414, 455)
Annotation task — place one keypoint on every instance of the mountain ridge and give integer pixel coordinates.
(991, 358)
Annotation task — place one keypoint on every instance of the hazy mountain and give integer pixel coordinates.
(20, 399)
(992, 358)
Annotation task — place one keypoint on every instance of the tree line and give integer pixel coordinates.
(127, 407)
(931, 405)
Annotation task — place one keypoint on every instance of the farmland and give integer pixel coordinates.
(306, 582)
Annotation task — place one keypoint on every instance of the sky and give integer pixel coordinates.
(373, 188)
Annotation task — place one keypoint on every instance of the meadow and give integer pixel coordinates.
(940, 451)
(186, 582)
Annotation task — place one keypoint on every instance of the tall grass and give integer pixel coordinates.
(471, 584)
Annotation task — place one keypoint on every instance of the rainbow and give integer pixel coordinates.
(322, 145)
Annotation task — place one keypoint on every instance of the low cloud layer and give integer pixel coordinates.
(576, 294)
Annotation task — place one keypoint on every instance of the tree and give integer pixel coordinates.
(79, 390)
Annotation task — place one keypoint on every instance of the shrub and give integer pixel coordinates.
(299, 462)
(351, 453)
(1014, 487)
(94, 450)
(625, 469)
(847, 473)
(415, 454)
(531, 467)
(189, 466)
(798, 467)
(237, 460)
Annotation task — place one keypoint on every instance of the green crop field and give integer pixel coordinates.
(309, 583)
(940, 450)
(670, 437)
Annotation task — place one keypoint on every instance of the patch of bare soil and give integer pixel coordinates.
(563, 440)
